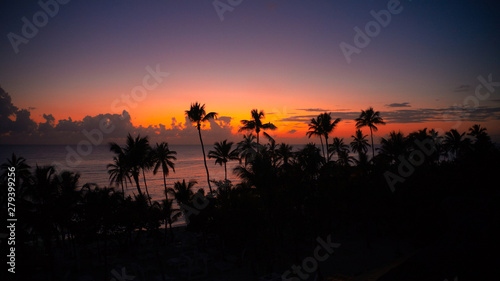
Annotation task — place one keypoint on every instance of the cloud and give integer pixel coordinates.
(403, 104)
(462, 88)
(298, 118)
(225, 119)
(49, 119)
(313, 109)
(420, 115)
(7, 111)
(341, 109)
(23, 123)
(17, 127)
(442, 114)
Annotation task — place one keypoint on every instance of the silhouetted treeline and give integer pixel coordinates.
(286, 198)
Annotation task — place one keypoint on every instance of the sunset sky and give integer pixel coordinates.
(283, 57)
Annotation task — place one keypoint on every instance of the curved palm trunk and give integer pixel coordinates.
(166, 198)
(136, 179)
(204, 159)
(373, 148)
(145, 184)
(165, 185)
(126, 187)
(225, 171)
(171, 230)
(123, 190)
(322, 147)
(327, 153)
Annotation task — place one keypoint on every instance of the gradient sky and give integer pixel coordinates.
(283, 57)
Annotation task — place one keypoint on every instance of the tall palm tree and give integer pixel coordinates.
(370, 118)
(197, 114)
(163, 157)
(327, 126)
(359, 143)
(146, 165)
(315, 129)
(256, 124)
(119, 171)
(135, 153)
(223, 153)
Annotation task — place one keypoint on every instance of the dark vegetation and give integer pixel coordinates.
(270, 220)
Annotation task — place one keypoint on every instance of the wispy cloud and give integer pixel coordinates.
(292, 131)
(462, 88)
(298, 118)
(419, 115)
(314, 109)
(441, 114)
(403, 104)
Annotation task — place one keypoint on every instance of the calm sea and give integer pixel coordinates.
(92, 168)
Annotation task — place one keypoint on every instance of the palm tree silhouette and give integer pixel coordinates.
(455, 142)
(437, 141)
(256, 124)
(370, 119)
(183, 192)
(170, 214)
(135, 153)
(22, 172)
(476, 130)
(19, 163)
(163, 157)
(482, 142)
(394, 146)
(344, 158)
(43, 195)
(338, 146)
(119, 171)
(223, 153)
(315, 129)
(359, 143)
(197, 114)
(247, 148)
(285, 154)
(309, 160)
(327, 126)
(479, 133)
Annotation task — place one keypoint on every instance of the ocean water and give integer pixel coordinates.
(92, 167)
